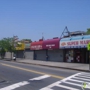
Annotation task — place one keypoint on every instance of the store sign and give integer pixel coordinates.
(36, 47)
(74, 44)
(22, 47)
(50, 45)
(27, 45)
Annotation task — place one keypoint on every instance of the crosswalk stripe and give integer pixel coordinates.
(58, 82)
(72, 84)
(84, 73)
(81, 78)
(40, 77)
(77, 80)
(16, 85)
(70, 77)
(66, 87)
(50, 86)
(68, 81)
(65, 83)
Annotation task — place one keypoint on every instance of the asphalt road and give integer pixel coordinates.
(18, 76)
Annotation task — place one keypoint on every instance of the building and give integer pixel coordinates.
(47, 48)
(75, 48)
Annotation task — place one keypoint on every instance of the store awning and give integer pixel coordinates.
(51, 44)
(36, 45)
(75, 42)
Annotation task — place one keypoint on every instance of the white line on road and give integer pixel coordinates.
(77, 81)
(40, 77)
(20, 84)
(84, 77)
(84, 73)
(66, 87)
(61, 81)
(81, 78)
(73, 84)
(16, 85)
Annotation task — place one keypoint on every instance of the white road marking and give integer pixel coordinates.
(73, 84)
(77, 80)
(84, 73)
(81, 78)
(16, 85)
(58, 82)
(50, 86)
(66, 87)
(41, 77)
(20, 84)
(70, 77)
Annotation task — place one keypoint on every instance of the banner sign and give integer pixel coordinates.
(36, 47)
(51, 44)
(74, 43)
(22, 47)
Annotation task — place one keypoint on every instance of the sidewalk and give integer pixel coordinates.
(73, 66)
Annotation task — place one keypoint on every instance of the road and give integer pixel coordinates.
(19, 76)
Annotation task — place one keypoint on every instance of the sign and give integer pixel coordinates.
(74, 43)
(88, 46)
(36, 47)
(27, 45)
(50, 45)
(85, 85)
(22, 47)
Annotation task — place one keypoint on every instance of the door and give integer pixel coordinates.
(40, 55)
(55, 55)
(29, 54)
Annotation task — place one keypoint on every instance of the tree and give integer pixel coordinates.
(2, 48)
(6, 44)
(88, 31)
(26, 40)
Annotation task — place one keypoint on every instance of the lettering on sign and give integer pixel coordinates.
(50, 45)
(84, 42)
(36, 47)
(72, 43)
(75, 43)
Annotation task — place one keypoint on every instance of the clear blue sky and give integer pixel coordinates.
(29, 18)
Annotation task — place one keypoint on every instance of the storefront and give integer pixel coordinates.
(28, 53)
(39, 53)
(20, 54)
(20, 50)
(75, 48)
(53, 51)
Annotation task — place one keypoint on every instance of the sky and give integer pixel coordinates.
(28, 19)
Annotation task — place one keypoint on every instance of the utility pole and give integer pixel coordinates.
(42, 36)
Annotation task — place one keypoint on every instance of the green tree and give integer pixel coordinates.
(88, 31)
(6, 44)
(26, 40)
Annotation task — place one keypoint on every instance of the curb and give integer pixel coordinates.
(50, 66)
(54, 66)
